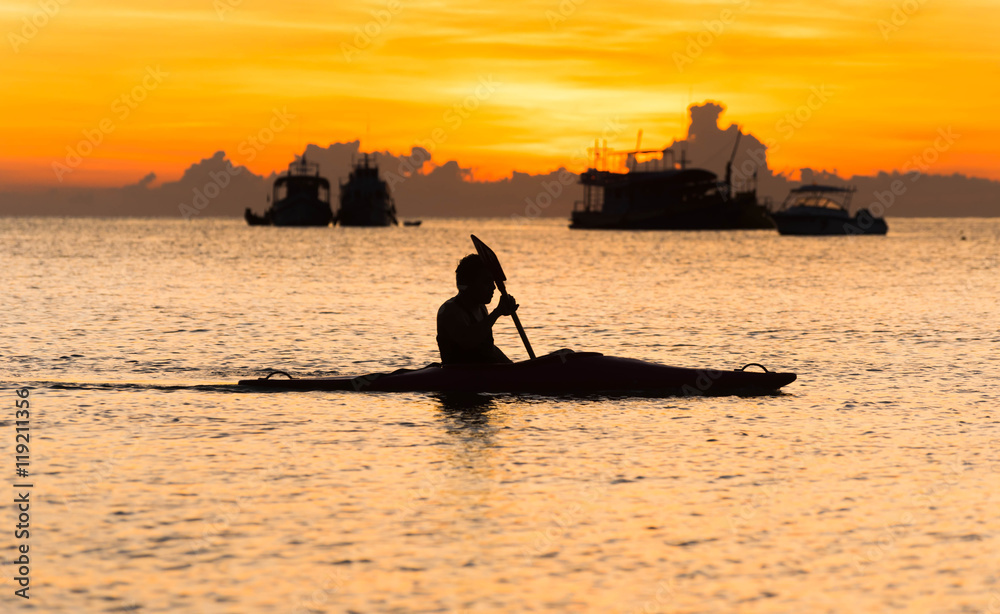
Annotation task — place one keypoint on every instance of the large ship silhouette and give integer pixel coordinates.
(300, 197)
(664, 194)
(365, 200)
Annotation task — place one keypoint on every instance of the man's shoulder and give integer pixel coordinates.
(451, 307)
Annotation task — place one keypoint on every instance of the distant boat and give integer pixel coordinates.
(365, 199)
(413, 222)
(299, 198)
(665, 195)
(816, 210)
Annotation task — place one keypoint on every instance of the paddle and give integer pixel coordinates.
(493, 264)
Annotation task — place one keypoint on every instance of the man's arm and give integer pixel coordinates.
(458, 326)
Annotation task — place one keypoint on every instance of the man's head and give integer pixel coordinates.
(474, 279)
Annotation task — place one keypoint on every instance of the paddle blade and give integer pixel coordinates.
(490, 258)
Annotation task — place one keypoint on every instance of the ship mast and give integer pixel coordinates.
(729, 165)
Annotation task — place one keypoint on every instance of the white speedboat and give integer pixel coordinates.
(824, 210)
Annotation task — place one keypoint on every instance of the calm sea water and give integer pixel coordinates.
(871, 484)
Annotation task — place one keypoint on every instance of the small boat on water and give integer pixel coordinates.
(561, 373)
(300, 197)
(818, 210)
(664, 194)
(365, 199)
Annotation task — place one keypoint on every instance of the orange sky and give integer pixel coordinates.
(539, 80)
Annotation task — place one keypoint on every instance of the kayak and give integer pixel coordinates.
(562, 372)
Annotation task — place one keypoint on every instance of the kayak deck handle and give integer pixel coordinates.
(754, 364)
(285, 373)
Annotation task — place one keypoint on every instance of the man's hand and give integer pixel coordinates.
(507, 305)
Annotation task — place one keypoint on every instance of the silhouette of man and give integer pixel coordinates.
(464, 325)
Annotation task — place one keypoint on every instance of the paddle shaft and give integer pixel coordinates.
(517, 323)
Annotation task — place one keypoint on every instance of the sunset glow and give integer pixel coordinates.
(113, 92)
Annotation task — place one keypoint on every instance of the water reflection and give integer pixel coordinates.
(475, 458)
(467, 413)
